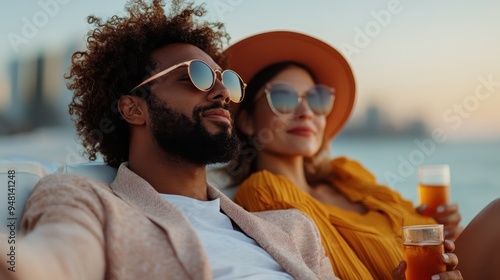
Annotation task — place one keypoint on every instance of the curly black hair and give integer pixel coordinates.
(118, 58)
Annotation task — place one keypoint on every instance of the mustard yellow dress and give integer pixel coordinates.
(360, 246)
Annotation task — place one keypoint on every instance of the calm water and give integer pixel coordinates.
(474, 166)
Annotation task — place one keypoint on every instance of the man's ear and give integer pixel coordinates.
(132, 109)
(245, 123)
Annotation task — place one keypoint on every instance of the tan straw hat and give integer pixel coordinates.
(248, 56)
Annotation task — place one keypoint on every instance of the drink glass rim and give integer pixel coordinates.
(434, 175)
(423, 226)
(435, 167)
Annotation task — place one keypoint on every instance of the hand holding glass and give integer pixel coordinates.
(423, 246)
(434, 187)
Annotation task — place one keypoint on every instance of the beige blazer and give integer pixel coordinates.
(79, 228)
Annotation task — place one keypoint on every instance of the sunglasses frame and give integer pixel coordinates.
(188, 63)
(267, 93)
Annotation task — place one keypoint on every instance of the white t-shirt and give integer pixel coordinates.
(231, 253)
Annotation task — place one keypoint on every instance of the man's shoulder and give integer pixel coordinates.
(67, 198)
(64, 182)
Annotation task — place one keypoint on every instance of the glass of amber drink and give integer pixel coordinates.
(433, 187)
(423, 246)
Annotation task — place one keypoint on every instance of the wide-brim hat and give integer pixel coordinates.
(250, 55)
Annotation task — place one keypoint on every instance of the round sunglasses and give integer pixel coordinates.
(283, 99)
(203, 78)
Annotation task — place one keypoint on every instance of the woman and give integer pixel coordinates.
(300, 94)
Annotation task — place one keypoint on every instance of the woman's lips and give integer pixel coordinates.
(301, 131)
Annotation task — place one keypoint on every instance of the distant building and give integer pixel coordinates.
(376, 124)
(38, 96)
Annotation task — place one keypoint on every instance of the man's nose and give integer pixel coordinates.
(219, 90)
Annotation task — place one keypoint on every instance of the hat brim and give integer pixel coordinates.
(248, 56)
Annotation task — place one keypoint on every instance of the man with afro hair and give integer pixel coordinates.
(151, 96)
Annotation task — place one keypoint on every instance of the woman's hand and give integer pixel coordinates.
(448, 258)
(399, 272)
(449, 216)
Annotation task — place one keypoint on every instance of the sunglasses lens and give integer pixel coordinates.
(320, 100)
(283, 99)
(234, 85)
(201, 75)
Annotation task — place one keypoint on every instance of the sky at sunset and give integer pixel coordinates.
(438, 61)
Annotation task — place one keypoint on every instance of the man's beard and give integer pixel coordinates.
(187, 139)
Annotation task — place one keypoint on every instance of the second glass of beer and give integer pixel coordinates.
(423, 247)
(433, 187)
